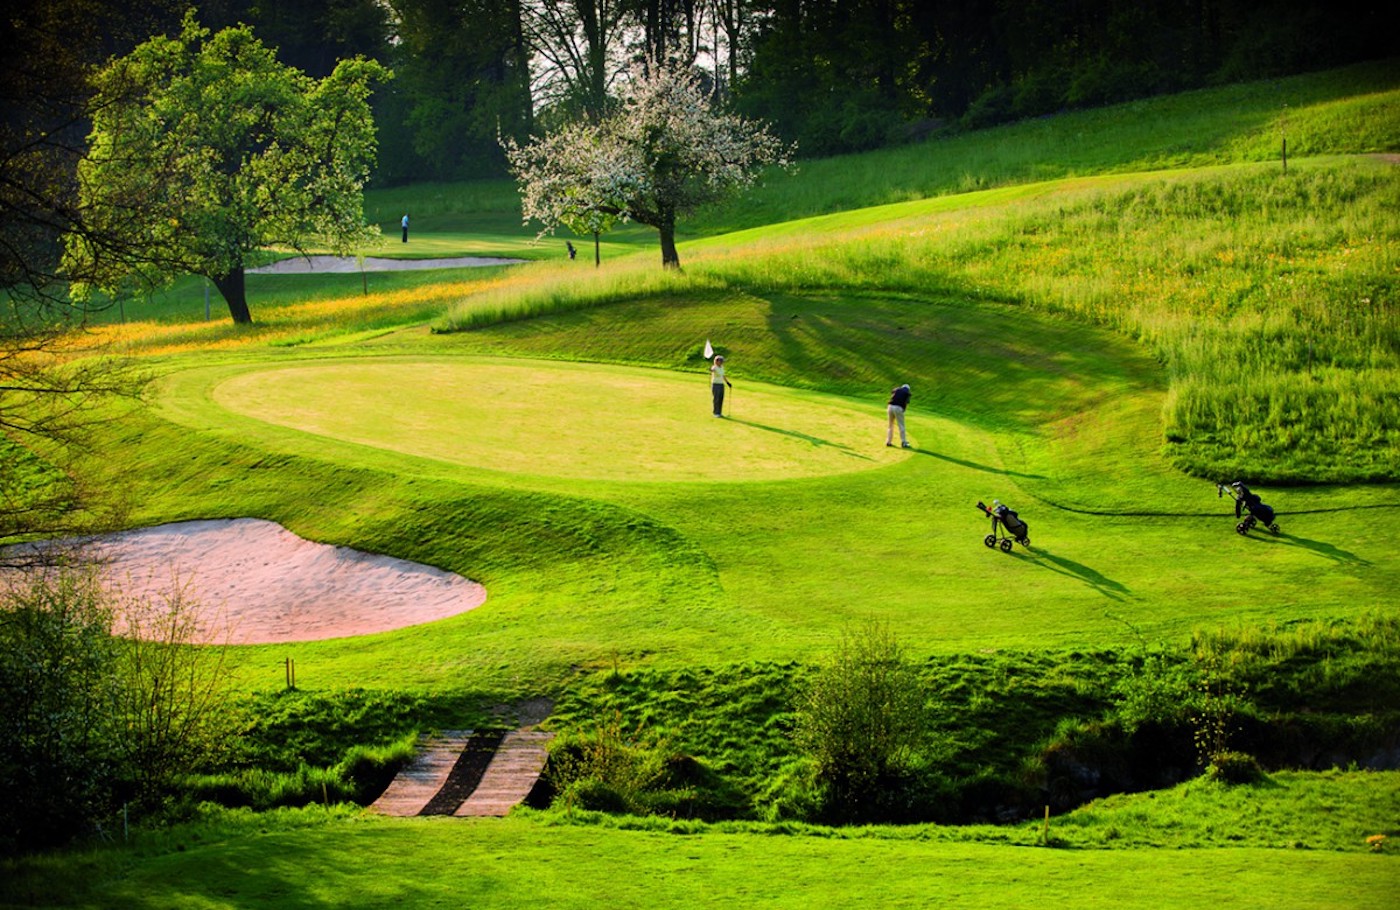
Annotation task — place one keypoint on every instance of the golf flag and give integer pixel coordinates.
(709, 351)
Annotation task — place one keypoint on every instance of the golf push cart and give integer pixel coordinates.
(1006, 527)
(1249, 508)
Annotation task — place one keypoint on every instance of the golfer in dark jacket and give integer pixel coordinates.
(899, 400)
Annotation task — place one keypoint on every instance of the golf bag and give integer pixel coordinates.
(1250, 510)
(1006, 527)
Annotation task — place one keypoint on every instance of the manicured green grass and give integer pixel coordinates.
(579, 422)
(766, 571)
(1239, 848)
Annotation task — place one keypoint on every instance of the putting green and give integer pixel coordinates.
(575, 421)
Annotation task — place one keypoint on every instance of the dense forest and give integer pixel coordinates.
(833, 75)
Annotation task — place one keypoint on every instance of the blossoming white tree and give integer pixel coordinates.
(665, 152)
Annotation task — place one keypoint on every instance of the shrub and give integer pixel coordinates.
(91, 719)
(1235, 768)
(863, 722)
(57, 673)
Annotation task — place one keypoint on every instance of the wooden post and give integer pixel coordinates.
(1045, 833)
(597, 256)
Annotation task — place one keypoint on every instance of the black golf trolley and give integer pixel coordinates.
(1006, 527)
(1250, 510)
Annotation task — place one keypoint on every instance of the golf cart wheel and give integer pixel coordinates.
(1241, 528)
(990, 540)
(1024, 541)
(1006, 545)
(1274, 528)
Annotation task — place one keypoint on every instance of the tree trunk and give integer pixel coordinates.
(231, 286)
(667, 227)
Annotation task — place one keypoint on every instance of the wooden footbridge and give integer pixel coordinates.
(463, 773)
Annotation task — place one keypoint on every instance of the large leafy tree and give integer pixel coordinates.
(210, 150)
(666, 151)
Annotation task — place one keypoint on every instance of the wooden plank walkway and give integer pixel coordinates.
(462, 774)
(511, 775)
(414, 786)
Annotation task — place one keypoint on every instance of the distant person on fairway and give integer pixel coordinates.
(899, 400)
(717, 384)
(405, 229)
(572, 252)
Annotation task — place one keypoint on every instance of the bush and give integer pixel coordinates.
(862, 722)
(93, 720)
(1235, 768)
(58, 659)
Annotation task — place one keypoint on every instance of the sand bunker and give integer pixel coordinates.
(257, 583)
(339, 265)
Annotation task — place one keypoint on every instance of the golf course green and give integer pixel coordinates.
(555, 420)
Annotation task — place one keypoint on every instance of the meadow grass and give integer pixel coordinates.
(1352, 110)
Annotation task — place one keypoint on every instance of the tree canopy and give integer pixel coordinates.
(210, 150)
(665, 151)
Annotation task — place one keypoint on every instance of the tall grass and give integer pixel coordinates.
(548, 290)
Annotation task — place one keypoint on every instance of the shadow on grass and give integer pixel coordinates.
(1325, 550)
(814, 440)
(1078, 571)
(975, 466)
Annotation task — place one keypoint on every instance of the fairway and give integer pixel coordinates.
(578, 421)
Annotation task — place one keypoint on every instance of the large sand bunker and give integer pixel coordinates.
(255, 582)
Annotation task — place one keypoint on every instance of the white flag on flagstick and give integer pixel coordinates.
(709, 351)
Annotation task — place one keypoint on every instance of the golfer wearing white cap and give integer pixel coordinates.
(717, 384)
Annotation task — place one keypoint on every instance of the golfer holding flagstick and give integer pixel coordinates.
(717, 380)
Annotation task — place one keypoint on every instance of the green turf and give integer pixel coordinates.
(555, 420)
(1056, 419)
(303, 859)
